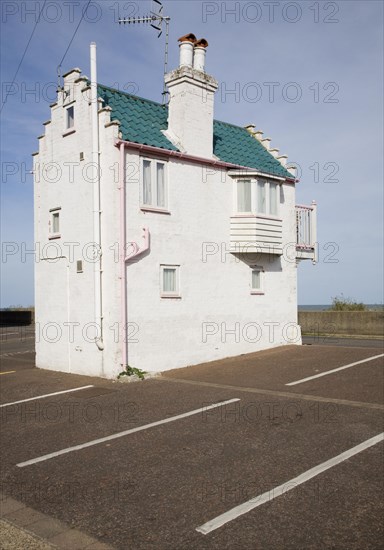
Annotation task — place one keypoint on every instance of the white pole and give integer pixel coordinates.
(314, 231)
(96, 197)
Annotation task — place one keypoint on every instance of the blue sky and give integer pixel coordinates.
(309, 74)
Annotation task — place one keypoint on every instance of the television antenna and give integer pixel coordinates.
(156, 19)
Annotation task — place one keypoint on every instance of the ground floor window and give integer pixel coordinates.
(170, 281)
(257, 280)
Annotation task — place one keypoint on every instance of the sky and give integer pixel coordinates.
(309, 74)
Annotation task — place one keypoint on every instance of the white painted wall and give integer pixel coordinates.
(216, 291)
(62, 295)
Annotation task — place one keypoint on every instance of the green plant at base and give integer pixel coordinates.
(339, 303)
(131, 371)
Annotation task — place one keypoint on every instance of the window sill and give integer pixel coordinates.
(154, 209)
(69, 132)
(170, 296)
(54, 236)
(257, 292)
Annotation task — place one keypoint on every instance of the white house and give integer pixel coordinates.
(164, 238)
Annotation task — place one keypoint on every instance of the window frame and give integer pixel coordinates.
(154, 206)
(260, 290)
(166, 293)
(54, 213)
(67, 130)
(67, 117)
(255, 195)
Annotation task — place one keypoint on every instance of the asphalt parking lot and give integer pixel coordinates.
(273, 450)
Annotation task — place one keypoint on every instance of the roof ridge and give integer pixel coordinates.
(131, 95)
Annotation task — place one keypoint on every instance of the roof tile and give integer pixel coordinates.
(142, 121)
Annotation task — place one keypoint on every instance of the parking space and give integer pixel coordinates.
(222, 455)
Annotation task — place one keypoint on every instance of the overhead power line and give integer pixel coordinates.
(22, 58)
(72, 39)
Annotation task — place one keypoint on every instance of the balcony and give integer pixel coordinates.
(263, 234)
(306, 232)
(256, 234)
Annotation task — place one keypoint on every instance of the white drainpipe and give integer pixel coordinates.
(96, 199)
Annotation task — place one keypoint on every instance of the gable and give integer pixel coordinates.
(142, 121)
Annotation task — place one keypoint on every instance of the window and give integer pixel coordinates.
(273, 190)
(257, 280)
(261, 197)
(169, 281)
(54, 230)
(70, 120)
(244, 196)
(257, 197)
(154, 192)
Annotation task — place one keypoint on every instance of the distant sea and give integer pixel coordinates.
(322, 307)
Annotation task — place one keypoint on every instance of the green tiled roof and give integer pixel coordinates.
(235, 144)
(142, 121)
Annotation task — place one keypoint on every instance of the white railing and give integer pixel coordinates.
(306, 231)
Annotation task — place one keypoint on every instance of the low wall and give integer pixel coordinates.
(364, 323)
(16, 318)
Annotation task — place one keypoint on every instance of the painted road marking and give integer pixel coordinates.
(46, 395)
(122, 434)
(12, 353)
(334, 370)
(275, 393)
(246, 507)
(8, 372)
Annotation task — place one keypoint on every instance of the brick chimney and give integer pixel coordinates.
(191, 89)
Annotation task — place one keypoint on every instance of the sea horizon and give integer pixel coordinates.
(324, 307)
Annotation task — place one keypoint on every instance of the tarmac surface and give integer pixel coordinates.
(174, 465)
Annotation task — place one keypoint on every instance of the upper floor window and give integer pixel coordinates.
(154, 184)
(54, 223)
(257, 197)
(70, 118)
(244, 196)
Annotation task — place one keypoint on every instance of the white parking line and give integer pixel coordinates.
(122, 434)
(46, 395)
(334, 370)
(246, 507)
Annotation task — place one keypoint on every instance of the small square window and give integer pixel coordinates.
(257, 280)
(169, 281)
(70, 122)
(79, 266)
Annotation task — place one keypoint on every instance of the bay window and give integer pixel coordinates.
(257, 197)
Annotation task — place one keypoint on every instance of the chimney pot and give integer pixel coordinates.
(199, 55)
(187, 38)
(186, 49)
(201, 43)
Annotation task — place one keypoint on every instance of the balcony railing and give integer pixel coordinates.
(306, 232)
